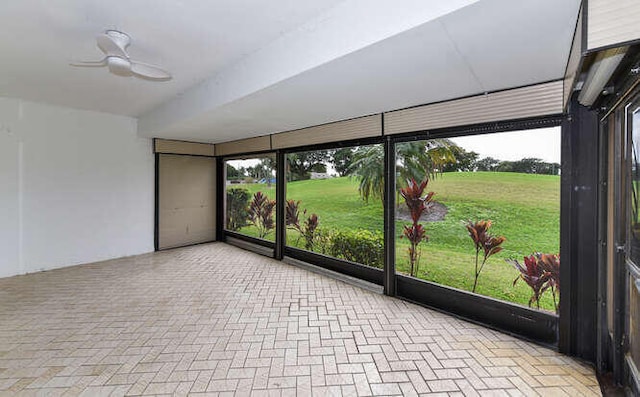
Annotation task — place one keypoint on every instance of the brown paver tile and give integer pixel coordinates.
(216, 320)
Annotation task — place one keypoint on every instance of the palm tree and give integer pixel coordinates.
(368, 167)
(415, 160)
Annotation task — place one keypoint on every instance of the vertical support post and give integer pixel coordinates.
(389, 217)
(579, 233)
(221, 192)
(156, 200)
(620, 150)
(281, 184)
(566, 229)
(602, 348)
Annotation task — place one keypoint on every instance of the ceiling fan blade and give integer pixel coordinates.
(90, 64)
(113, 43)
(149, 72)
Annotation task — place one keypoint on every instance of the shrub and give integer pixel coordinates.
(237, 203)
(261, 213)
(360, 246)
(541, 272)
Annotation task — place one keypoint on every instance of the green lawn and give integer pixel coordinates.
(524, 208)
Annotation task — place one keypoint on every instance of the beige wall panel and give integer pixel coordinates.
(257, 144)
(181, 147)
(186, 200)
(363, 127)
(539, 100)
(611, 22)
(575, 55)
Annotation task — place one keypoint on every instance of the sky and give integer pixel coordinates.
(541, 143)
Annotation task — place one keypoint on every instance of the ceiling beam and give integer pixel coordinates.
(350, 26)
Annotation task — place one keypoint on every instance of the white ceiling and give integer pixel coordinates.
(190, 38)
(250, 67)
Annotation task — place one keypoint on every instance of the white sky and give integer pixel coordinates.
(542, 143)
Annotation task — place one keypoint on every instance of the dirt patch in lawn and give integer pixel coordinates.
(434, 213)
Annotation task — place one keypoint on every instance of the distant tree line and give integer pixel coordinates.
(416, 160)
(469, 161)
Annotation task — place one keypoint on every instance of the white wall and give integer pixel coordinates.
(75, 187)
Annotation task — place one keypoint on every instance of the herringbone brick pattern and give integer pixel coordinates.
(214, 319)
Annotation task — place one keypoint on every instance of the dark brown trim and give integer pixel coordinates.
(249, 239)
(221, 193)
(483, 128)
(156, 201)
(535, 325)
(281, 196)
(389, 217)
(367, 273)
(335, 145)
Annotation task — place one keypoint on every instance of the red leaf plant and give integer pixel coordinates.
(415, 233)
(540, 272)
(307, 229)
(292, 214)
(261, 213)
(551, 264)
(484, 242)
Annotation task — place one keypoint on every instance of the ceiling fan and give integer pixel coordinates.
(114, 45)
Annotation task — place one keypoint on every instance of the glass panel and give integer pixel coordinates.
(495, 201)
(250, 202)
(634, 321)
(334, 204)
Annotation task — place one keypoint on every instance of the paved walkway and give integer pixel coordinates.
(218, 320)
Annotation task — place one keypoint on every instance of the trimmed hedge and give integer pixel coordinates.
(360, 246)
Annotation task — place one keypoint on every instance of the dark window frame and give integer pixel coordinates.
(222, 215)
(531, 324)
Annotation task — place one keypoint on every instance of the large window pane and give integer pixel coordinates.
(250, 203)
(496, 200)
(334, 203)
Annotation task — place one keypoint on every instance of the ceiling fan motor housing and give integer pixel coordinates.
(119, 66)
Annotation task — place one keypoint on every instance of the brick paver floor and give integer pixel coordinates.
(215, 319)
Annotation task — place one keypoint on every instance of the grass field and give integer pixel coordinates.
(524, 208)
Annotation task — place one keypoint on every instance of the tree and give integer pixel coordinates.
(233, 173)
(416, 161)
(268, 165)
(487, 164)
(529, 165)
(465, 161)
(505, 166)
(342, 159)
(368, 167)
(425, 159)
(301, 164)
